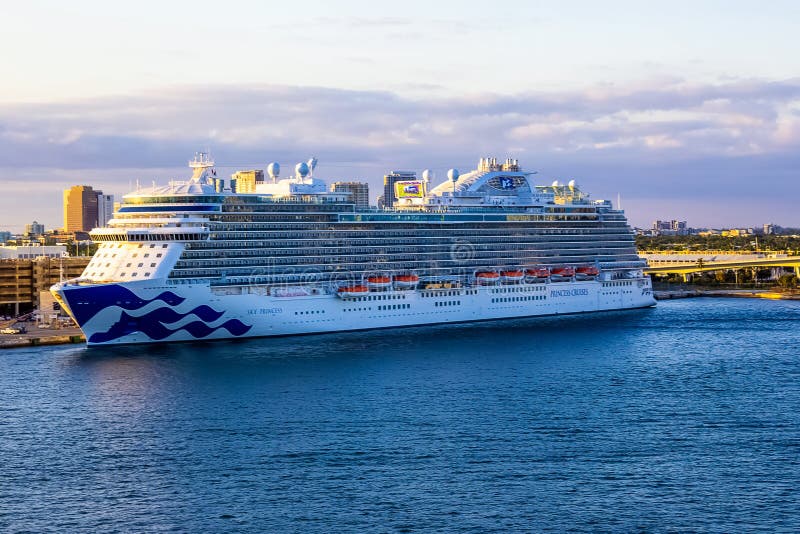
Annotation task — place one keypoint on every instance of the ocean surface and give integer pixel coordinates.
(685, 417)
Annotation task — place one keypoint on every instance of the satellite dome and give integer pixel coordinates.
(301, 170)
(312, 164)
(426, 175)
(571, 184)
(274, 170)
(452, 175)
(555, 183)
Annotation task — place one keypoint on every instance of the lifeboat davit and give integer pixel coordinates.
(406, 281)
(379, 282)
(487, 277)
(347, 292)
(512, 277)
(539, 274)
(562, 273)
(586, 272)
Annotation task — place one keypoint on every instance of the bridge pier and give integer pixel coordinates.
(797, 271)
(687, 277)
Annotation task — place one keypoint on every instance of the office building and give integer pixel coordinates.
(34, 229)
(673, 227)
(359, 192)
(86, 208)
(80, 208)
(105, 208)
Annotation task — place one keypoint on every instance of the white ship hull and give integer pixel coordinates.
(155, 311)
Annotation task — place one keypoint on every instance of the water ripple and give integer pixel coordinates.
(681, 418)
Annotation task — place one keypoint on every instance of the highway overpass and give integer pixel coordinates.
(675, 265)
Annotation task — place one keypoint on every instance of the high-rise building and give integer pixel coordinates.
(359, 192)
(80, 208)
(389, 194)
(34, 229)
(85, 208)
(246, 181)
(105, 208)
(5, 236)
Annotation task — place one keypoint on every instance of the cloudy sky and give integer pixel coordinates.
(687, 110)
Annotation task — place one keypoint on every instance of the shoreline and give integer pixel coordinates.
(728, 293)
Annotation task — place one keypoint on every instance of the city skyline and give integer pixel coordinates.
(667, 107)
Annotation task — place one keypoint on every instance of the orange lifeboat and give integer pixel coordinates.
(512, 277)
(406, 281)
(562, 273)
(379, 282)
(539, 274)
(487, 277)
(586, 272)
(347, 292)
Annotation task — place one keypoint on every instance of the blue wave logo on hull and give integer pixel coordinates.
(86, 302)
(152, 325)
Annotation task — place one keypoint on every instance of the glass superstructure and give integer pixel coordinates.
(319, 237)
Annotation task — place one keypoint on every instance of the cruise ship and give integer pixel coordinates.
(201, 259)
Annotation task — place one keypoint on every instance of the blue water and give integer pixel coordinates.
(685, 417)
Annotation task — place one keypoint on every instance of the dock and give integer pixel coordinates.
(42, 336)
